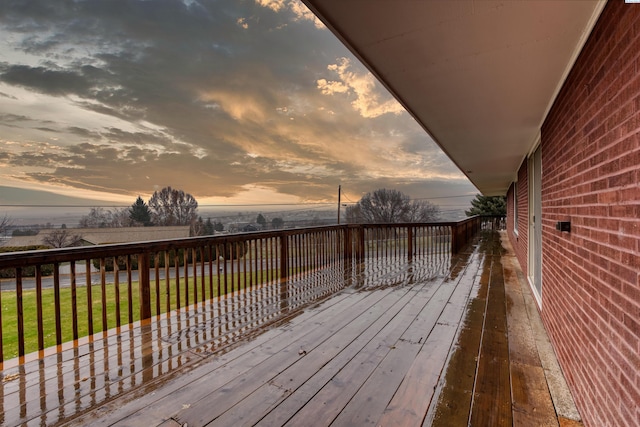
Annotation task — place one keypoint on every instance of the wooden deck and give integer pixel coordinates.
(440, 340)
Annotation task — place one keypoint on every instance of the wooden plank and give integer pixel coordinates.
(411, 401)
(95, 379)
(319, 370)
(362, 372)
(532, 405)
(492, 391)
(142, 408)
(98, 349)
(456, 388)
(368, 405)
(350, 324)
(566, 422)
(522, 345)
(339, 379)
(89, 382)
(223, 369)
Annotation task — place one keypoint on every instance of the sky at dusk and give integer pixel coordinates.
(233, 101)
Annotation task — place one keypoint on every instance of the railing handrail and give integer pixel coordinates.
(196, 269)
(48, 256)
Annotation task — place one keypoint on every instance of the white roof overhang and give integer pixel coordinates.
(479, 76)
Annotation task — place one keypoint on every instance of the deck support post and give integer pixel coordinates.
(454, 239)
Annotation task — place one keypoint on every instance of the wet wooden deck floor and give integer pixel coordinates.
(445, 341)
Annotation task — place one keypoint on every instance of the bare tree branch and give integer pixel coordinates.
(62, 238)
(5, 222)
(173, 207)
(389, 206)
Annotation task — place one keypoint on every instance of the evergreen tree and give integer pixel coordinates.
(139, 212)
(209, 229)
(261, 221)
(218, 226)
(487, 205)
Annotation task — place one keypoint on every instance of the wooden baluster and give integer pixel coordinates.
(129, 289)
(167, 279)
(89, 296)
(156, 271)
(116, 289)
(185, 266)
(56, 302)
(176, 263)
(103, 287)
(38, 309)
(19, 312)
(74, 300)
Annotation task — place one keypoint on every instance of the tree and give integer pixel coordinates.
(197, 227)
(173, 207)
(422, 211)
(121, 218)
(97, 218)
(277, 223)
(261, 221)
(488, 205)
(389, 206)
(139, 213)
(103, 218)
(218, 226)
(209, 229)
(5, 223)
(61, 238)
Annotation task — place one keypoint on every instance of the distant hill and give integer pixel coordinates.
(28, 206)
(21, 196)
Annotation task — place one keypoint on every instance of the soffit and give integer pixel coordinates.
(479, 76)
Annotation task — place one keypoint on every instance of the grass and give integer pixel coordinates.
(29, 302)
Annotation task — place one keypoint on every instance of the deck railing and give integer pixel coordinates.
(55, 296)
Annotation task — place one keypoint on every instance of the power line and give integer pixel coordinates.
(127, 206)
(38, 205)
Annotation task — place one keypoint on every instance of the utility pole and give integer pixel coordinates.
(339, 204)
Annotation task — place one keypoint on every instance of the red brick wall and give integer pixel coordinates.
(590, 176)
(520, 240)
(510, 218)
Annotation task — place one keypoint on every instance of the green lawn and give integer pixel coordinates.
(9, 309)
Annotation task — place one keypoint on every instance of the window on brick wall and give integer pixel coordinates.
(515, 207)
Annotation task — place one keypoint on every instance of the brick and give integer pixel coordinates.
(630, 227)
(608, 197)
(591, 159)
(625, 178)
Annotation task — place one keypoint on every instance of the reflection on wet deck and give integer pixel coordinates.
(344, 345)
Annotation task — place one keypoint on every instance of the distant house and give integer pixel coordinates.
(103, 236)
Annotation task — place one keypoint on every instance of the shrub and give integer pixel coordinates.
(45, 269)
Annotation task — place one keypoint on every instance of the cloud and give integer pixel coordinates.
(45, 80)
(300, 11)
(368, 99)
(219, 98)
